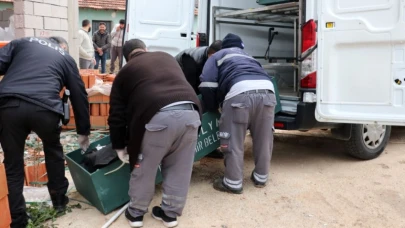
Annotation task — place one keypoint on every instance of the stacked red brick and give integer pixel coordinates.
(99, 103)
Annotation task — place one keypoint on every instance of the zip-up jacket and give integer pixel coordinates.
(36, 70)
(102, 41)
(223, 70)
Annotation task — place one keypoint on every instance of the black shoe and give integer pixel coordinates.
(134, 222)
(215, 154)
(59, 203)
(219, 186)
(160, 215)
(256, 183)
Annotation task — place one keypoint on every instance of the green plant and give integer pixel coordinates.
(42, 212)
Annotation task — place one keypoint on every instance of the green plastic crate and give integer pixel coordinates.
(107, 193)
(272, 2)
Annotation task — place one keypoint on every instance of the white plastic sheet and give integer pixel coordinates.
(99, 87)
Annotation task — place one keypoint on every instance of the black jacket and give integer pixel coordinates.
(192, 62)
(199, 54)
(36, 70)
(102, 41)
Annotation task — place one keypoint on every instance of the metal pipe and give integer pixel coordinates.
(254, 24)
(300, 18)
(295, 54)
(214, 24)
(261, 9)
(115, 216)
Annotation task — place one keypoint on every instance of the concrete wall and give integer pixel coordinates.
(100, 15)
(41, 18)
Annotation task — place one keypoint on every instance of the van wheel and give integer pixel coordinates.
(368, 141)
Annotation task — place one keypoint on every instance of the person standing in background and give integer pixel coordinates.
(116, 45)
(86, 49)
(102, 44)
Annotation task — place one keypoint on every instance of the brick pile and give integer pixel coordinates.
(5, 217)
(99, 103)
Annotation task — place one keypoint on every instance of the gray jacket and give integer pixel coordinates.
(102, 41)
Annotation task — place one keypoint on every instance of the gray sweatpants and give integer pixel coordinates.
(253, 111)
(85, 64)
(170, 140)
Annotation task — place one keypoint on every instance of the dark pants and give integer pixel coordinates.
(192, 72)
(116, 52)
(17, 119)
(103, 59)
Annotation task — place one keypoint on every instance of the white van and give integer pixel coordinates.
(339, 64)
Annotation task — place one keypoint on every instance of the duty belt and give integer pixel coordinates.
(258, 91)
(179, 107)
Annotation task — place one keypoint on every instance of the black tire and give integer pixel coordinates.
(356, 147)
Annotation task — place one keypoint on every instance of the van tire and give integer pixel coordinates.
(356, 145)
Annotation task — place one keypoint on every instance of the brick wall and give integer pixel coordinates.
(41, 18)
(5, 17)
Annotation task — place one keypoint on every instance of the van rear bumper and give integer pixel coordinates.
(303, 120)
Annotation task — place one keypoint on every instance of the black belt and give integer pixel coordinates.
(178, 107)
(258, 91)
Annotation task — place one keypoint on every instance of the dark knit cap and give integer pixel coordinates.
(131, 45)
(232, 40)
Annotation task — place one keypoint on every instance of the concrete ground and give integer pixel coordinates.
(313, 184)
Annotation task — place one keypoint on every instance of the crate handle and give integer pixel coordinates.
(115, 170)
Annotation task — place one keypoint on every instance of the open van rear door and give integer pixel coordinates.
(361, 62)
(163, 25)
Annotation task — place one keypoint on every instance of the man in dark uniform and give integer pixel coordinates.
(238, 84)
(162, 114)
(35, 71)
(192, 62)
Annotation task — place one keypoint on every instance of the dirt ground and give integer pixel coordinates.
(313, 184)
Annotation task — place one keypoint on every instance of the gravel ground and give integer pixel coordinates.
(313, 184)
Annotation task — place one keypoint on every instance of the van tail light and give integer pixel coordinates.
(308, 35)
(197, 42)
(279, 125)
(309, 81)
(308, 69)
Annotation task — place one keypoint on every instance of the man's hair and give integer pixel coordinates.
(122, 21)
(85, 22)
(59, 40)
(215, 46)
(101, 23)
(130, 46)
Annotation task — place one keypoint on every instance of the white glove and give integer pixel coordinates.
(84, 142)
(123, 155)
